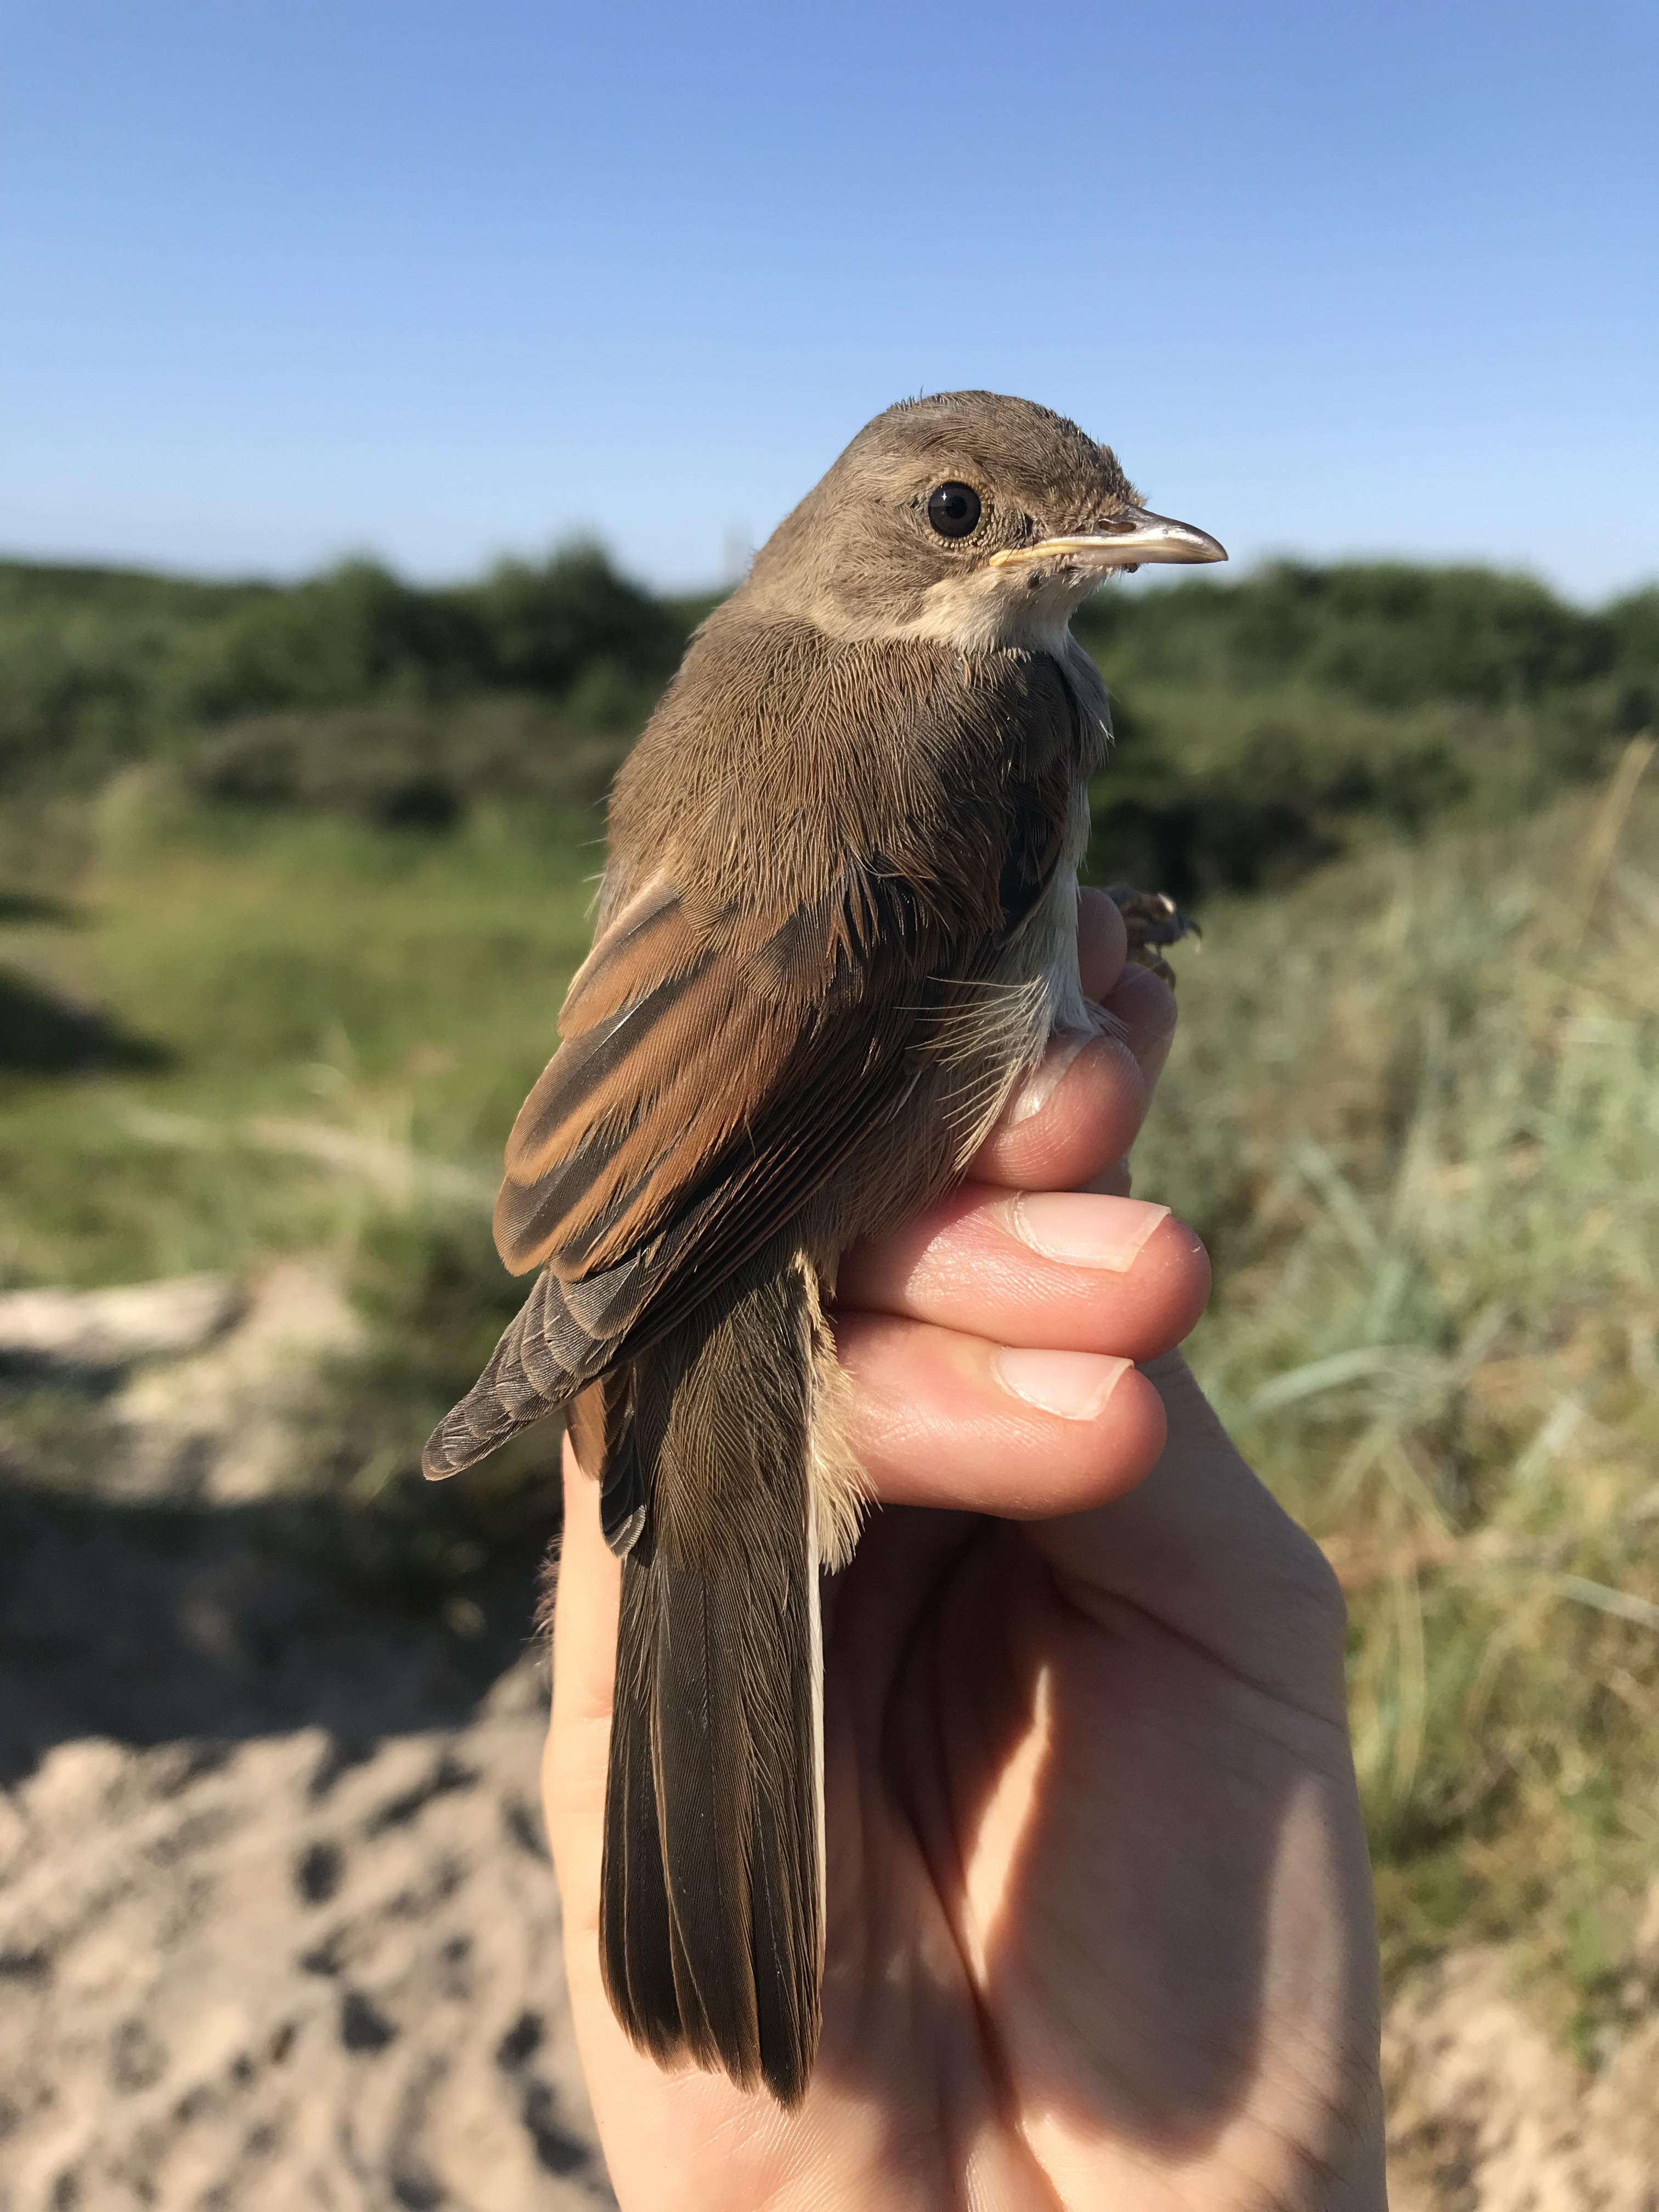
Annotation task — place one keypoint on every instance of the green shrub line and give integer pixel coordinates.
(1264, 724)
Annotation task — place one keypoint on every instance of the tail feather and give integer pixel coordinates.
(714, 1943)
(600, 1424)
(635, 1930)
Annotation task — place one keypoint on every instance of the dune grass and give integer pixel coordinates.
(1414, 1109)
(240, 981)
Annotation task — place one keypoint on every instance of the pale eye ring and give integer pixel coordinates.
(953, 509)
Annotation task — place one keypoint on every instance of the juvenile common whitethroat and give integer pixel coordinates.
(837, 924)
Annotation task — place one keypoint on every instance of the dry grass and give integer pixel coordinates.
(1418, 1113)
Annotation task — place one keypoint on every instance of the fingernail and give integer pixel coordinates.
(1084, 1230)
(1046, 1077)
(1074, 1384)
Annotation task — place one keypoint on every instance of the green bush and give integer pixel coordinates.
(1266, 725)
(1263, 725)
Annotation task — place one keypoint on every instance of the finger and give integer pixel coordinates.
(1070, 1270)
(1105, 970)
(584, 1667)
(1103, 942)
(942, 1419)
(1147, 1011)
(1081, 1108)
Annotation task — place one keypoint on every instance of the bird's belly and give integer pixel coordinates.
(1054, 957)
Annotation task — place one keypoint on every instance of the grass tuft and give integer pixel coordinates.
(1416, 1112)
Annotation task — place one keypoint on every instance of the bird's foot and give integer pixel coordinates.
(1153, 921)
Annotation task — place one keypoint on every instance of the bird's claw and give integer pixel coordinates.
(1153, 920)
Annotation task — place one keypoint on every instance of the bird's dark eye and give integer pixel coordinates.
(953, 509)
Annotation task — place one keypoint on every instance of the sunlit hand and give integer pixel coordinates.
(1100, 1931)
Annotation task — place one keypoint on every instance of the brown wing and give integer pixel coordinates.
(695, 1045)
(720, 1062)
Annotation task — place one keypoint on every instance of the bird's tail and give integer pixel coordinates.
(712, 1909)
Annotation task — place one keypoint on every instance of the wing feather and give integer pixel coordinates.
(724, 1053)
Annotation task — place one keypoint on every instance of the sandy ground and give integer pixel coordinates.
(277, 1926)
(1488, 2115)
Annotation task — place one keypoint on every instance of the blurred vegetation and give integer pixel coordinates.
(1270, 723)
(291, 882)
(1415, 1111)
(354, 693)
(1264, 725)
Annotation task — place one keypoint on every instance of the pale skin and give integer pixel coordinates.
(1100, 1932)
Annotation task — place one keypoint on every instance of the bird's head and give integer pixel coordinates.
(969, 518)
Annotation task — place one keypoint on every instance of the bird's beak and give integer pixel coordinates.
(1130, 537)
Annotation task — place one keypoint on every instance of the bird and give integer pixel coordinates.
(836, 925)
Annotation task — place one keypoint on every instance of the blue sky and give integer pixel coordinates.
(287, 278)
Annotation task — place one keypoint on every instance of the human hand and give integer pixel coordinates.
(1100, 1926)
